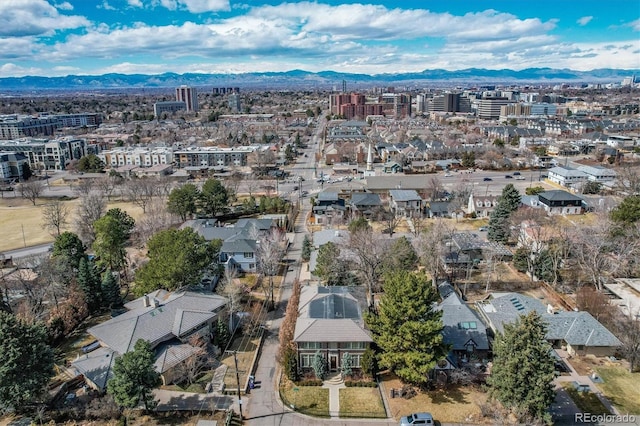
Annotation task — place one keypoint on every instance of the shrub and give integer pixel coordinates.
(360, 384)
(309, 382)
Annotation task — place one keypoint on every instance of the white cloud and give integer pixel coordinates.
(105, 5)
(64, 6)
(584, 20)
(199, 6)
(135, 3)
(635, 25)
(34, 17)
(13, 70)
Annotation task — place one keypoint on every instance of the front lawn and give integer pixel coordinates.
(621, 388)
(459, 404)
(311, 400)
(587, 402)
(361, 402)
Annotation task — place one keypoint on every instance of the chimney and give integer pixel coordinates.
(145, 301)
(155, 303)
(550, 309)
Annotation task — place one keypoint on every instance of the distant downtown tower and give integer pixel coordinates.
(189, 96)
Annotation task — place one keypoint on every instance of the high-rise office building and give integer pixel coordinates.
(189, 96)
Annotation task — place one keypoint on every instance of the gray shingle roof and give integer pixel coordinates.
(330, 314)
(96, 366)
(156, 324)
(404, 195)
(558, 195)
(363, 199)
(575, 328)
(461, 324)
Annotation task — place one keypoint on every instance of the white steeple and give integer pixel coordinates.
(369, 158)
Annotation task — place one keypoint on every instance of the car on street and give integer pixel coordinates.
(483, 229)
(447, 174)
(417, 419)
(520, 178)
(508, 177)
(487, 179)
(516, 173)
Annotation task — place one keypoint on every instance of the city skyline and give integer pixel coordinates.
(47, 38)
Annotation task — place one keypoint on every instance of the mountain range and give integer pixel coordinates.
(321, 80)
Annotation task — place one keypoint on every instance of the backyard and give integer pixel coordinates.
(621, 388)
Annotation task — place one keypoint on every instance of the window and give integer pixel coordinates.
(310, 345)
(306, 360)
(353, 345)
(356, 360)
(248, 255)
(467, 325)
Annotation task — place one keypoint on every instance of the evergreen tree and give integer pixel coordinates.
(291, 364)
(307, 245)
(111, 297)
(346, 366)
(319, 365)
(112, 233)
(368, 362)
(508, 203)
(89, 282)
(222, 335)
(628, 211)
(214, 197)
(134, 377)
(176, 259)
(183, 201)
(402, 256)
(26, 361)
(406, 328)
(523, 368)
(330, 266)
(69, 247)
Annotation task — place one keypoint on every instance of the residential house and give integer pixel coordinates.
(239, 241)
(566, 176)
(328, 206)
(439, 209)
(391, 167)
(405, 202)
(598, 173)
(577, 332)
(169, 321)
(330, 322)
(363, 204)
(558, 201)
(480, 205)
(463, 329)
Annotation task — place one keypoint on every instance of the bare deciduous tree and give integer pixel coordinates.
(628, 179)
(190, 368)
(592, 248)
(141, 191)
(270, 252)
(431, 246)
(54, 216)
(234, 290)
(629, 334)
(31, 190)
(156, 219)
(90, 209)
(107, 184)
(84, 187)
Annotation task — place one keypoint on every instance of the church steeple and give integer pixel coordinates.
(369, 158)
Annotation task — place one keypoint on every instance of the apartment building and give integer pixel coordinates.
(84, 119)
(168, 107)
(47, 154)
(212, 156)
(356, 105)
(141, 157)
(12, 165)
(14, 126)
(189, 96)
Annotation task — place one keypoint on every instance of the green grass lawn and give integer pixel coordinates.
(587, 402)
(361, 402)
(621, 388)
(312, 400)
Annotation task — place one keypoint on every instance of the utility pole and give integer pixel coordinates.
(235, 360)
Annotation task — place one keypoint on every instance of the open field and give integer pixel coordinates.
(21, 221)
(455, 405)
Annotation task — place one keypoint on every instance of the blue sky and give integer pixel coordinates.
(90, 37)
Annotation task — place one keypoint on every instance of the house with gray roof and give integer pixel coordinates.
(330, 322)
(405, 202)
(567, 176)
(558, 201)
(577, 332)
(169, 321)
(363, 204)
(463, 329)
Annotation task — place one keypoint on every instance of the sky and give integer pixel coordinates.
(93, 37)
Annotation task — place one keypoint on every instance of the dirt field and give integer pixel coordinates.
(21, 221)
